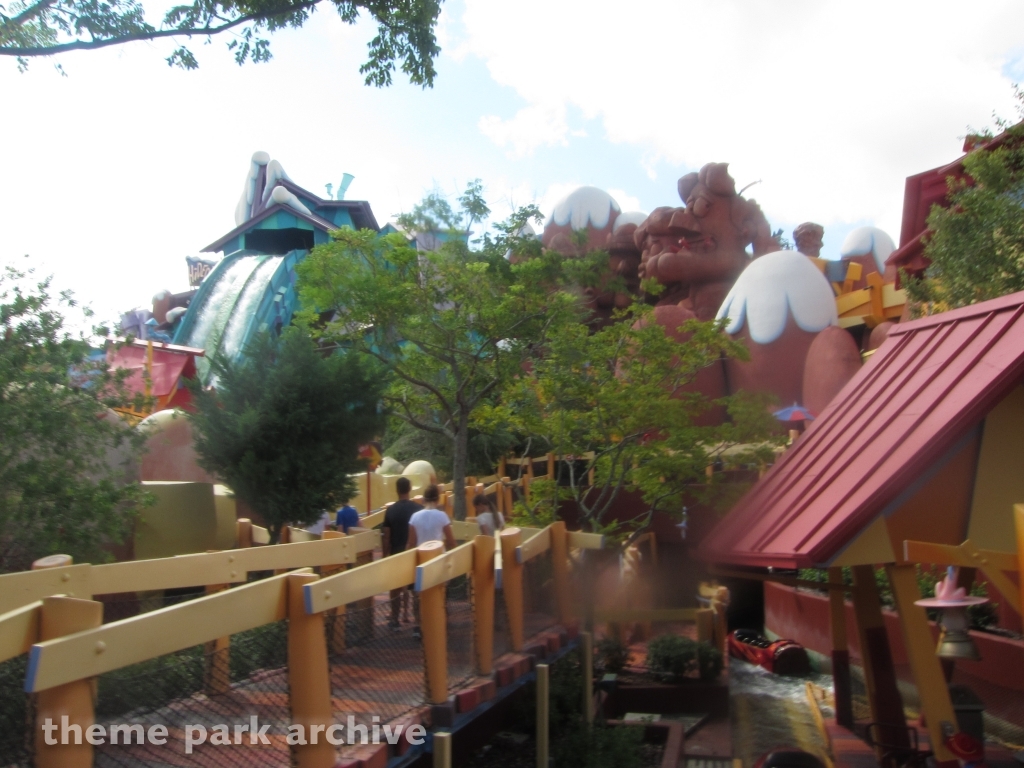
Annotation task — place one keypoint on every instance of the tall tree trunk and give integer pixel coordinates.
(460, 460)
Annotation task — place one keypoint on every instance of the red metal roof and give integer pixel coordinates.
(918, 395)
(170, 363)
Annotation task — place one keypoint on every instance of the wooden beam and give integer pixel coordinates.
(483, 602)
(168, 573)
(581, 540)
(533, 546)
(434, 623)
(19, 630)
(309, 677)
(445, 567)
(1018, 521)
(512, 584)
(299, 555)
(160, 632)
(24, 587)
(465, 531)
(260, 535)
(373, 519)
(362, 582)
(623, 615)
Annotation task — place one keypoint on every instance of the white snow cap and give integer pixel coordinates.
(586, 205)
(259, 159)
(284, 197)
(773, 287)
(865, 240)
(275, 173)
(630, 217)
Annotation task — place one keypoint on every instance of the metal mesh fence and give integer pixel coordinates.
(459, 609)
(539, 611)
(15, 715)
(502, 638)
(191, 692)
(128, 604)
(376, 667)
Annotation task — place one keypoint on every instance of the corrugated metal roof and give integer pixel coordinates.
(928, 384)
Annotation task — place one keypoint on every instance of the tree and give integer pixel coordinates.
(451, 325)
(976, 245)
(67, 483)
(283, 427)
(621, 401)
(405, 29)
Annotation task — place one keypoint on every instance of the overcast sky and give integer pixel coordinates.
(116, 172)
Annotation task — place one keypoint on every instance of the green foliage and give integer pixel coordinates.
(405, 29)
(624, 396)
(598, 747)
(612, 654)
(283, 426)
(406, 443)
(67, 481)
(673, 658)
(451, 325)
(976, 245)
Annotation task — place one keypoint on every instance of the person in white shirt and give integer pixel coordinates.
(489, 520)
(430, 523)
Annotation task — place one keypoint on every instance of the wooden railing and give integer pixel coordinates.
(68, 646)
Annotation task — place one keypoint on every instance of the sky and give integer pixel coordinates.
(117, 170)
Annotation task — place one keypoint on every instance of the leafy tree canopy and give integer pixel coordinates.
(67, 483)
(621, 401)
(405, 29)
(452, 325)
(283, 427)
(976, 245)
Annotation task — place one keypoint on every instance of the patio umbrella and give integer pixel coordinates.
(795, 412)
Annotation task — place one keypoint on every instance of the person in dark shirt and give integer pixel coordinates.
(395, 530)
(347, 518)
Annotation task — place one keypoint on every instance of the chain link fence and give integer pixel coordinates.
(459, 611)
(539, 611)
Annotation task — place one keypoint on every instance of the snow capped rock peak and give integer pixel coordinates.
(586, 205)
(865, 240)
(629, 217)
(774, 287)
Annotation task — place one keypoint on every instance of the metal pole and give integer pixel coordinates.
(442, 750)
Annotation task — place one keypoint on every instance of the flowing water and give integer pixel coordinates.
(246, 306)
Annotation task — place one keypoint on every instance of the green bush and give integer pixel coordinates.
(612, 655)
(598, 747)
(672, 658)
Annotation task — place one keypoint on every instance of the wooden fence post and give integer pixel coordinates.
(62, 616)
(483, 602)
(512, 584)
(551, 466)
(217, 670)
(840, 651)
(336, 638)
(587, 664)
(543, 717)
(309, 677)
(434, 627)
(705, 625)
(442, 750)
(243, 533)
(506, 491)
(560, 569)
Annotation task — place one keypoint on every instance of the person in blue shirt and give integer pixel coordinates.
(347, 517)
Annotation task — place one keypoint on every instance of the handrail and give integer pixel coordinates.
(535, 545)
(19, 629)
(157, 633)
(394, 572)
(230, 566)
(446, 567)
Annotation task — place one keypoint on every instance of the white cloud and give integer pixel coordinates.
(831, 104)
(533, 126)
(625, 200)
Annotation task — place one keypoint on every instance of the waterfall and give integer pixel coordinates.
(246, 306)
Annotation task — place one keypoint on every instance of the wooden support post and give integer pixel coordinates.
(336, 616)
(506, 491)
(587, 663)
(705, 625)
(512, 584)
(434, 625)
(1018, 519)
(551, 466)
(502, 471)
(879, 672)
(543, 716)
(217, 671)
(309, 676)
(931, 683)
(243, 533)
(442, 750)
(483, 602)
(62, 616)
(560, 569)
(840, 652)
(721, 628)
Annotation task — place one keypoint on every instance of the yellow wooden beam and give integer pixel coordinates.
(19, 630)
(581, 540)
(1018, 521)
(852, 300)
(157, 633)
(260, 535)
(966, 555)
(361, 583)
(535, 545)
(373, 519)
(465, 531)
(645, 614)
(24, 587)
(167, 573)
(442, 568)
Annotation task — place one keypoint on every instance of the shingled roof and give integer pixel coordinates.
(921, 393)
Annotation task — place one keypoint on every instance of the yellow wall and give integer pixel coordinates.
(182, 521)
(1000, 479)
